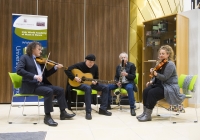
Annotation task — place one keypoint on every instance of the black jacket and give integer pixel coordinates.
(27, 69)
(130, 69)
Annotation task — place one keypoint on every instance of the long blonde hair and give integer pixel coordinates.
(168, 50)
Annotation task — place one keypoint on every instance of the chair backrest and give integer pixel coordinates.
(181, 80)
(136, 78)
(16, 79)
(192, 82)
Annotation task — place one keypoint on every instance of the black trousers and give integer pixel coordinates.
(152, 94)
(99, 87)
(48, 91)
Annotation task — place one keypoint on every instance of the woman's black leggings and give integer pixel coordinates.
(151, 95)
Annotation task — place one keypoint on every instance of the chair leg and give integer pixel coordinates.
(196, 110)
(76, 102)
(38, 111)
(120, 107)
(23, 107)
(170, 113)
(11, 104)
(112, 99)
(10, 111)
(196, 114)
(138, 98)
(97, 103)
(157, 109)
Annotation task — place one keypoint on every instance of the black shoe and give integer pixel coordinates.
(109, 107)
(104, 112)
(133, 112)
(64, 115)
(49, 121)
(88, 116)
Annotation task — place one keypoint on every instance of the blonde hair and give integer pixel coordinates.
(168, 50)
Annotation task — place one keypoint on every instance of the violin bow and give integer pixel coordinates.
(45, 63)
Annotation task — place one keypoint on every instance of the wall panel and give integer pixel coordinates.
(106, 35)
(7, 7)
(65, 34)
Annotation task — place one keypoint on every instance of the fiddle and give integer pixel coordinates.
(41, 60)
(158, 66)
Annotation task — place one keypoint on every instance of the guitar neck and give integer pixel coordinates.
(101, 81)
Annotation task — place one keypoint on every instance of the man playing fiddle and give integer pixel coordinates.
(34, 81)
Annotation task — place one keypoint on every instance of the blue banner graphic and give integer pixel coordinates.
(26, 29)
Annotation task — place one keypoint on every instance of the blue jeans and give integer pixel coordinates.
(129, 87)
(88, 90)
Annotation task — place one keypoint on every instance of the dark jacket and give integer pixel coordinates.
(70, 95)
(83, 68)
(130, 69)
(27, 69)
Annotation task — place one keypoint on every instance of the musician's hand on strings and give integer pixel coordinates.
(59, 65)
(151, 70)
(94, 82)
(148, 83)
(124, 74)
(155, 73)
(77, 79)
(118, 84)
(38, 78)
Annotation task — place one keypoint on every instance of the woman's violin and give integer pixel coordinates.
(158, 66)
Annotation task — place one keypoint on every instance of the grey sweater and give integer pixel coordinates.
(170, 83)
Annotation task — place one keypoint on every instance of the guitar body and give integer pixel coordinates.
(80, 74)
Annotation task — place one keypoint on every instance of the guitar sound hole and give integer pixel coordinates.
(83, 78)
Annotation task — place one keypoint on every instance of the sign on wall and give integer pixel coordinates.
(26, 29)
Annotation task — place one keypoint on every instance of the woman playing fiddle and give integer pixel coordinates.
(164, 84)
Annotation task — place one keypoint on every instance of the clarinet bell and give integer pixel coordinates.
(117, 92)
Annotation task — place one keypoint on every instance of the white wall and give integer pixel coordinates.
(187, 5)
(194, 48)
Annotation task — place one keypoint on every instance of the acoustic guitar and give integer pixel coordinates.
(86, 78)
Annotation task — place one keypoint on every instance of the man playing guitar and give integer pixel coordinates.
(89, 66)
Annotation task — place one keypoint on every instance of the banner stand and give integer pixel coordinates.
(26, 29)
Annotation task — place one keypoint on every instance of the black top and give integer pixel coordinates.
(156, 81)
(83, 67)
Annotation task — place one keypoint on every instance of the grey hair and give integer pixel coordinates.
(123, 53)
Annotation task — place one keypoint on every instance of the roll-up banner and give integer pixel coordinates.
(26, 29)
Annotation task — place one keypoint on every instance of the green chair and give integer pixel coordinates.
(191, 89)
(17, 81)
(124, 91)
(80, 92)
